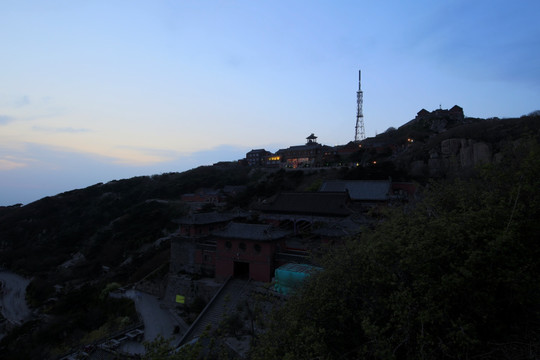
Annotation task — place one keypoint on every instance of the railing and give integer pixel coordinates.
(291, 257)
(206, 246)
(103, 340)
(203, 312)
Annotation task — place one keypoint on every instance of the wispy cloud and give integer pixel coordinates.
(216, 154)
(51, 129)
(15, 101)
(141, 156)
(22, 101)
(10, 164)
(503, 48)
(4, 119)
(153, 160)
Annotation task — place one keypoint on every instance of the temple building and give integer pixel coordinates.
(308, 155)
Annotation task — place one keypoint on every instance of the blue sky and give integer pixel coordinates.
(99, 90)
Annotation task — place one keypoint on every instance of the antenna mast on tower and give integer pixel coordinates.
(360, 133)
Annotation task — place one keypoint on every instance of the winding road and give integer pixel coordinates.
(157, 320)
(12, 297)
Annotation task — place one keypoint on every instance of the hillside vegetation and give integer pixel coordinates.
(456, 277)
(452, 277)
(74, 245)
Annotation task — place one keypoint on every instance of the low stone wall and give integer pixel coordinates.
(184, 285)
(152, 287)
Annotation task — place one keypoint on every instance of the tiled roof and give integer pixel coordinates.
(257, 151)
(423, 112)
(300, 268)
(259, 232)
(310, 203)
(359, 190)
(206, 218)
(346, 227)
(228, 189)
(306, 147)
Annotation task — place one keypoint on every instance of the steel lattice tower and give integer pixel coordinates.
(360, 132)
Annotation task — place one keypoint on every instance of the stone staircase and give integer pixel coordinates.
(225, 301)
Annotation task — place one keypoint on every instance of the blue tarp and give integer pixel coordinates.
(289, 277)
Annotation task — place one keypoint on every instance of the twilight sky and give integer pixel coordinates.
(93, 91)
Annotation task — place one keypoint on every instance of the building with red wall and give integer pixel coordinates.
(301, 210)
(220, 245)
(192, 249)
(247, 250)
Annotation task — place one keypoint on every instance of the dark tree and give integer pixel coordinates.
(456, 277)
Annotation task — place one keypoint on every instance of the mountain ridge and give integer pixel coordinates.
(109, 232)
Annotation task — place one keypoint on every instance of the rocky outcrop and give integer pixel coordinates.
(450, 147)
(482, 153)
(474, 153)
(469, 152)
(418, 169)
(440, 119)
(452, 156)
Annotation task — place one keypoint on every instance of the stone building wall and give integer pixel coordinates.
(183, 252)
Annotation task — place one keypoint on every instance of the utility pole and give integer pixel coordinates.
(360, 132)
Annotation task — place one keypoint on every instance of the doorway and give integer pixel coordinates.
(241, 269)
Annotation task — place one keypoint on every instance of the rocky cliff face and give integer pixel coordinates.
(441, 151)
(469, 152)
(453, 156)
